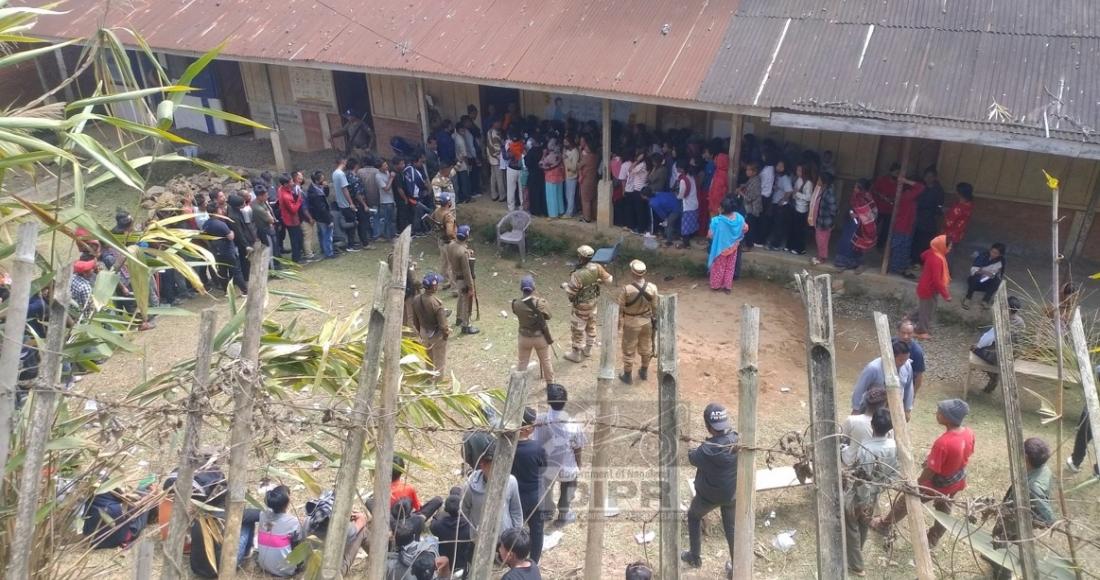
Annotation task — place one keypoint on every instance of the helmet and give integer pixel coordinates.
(637, 267)
(432, 280)
(445, 197)
(586, 251)
(463, 232)
(527, 284)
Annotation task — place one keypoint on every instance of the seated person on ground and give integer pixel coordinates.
(278, 534)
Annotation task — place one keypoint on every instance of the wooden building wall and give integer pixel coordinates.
(394, 110)
(304, 98)
(1017, 176)
(537, 102)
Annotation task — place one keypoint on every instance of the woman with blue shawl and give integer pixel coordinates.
(726, 232)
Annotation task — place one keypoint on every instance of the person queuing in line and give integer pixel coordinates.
(564, 441)
(587, 180)
(805, 178)
(929, 211)
(715, 463)
(687, 188)
(346, 205)
(494, 146)
(529, 469)
(823, 209)
(782, 211)
(751, 196)
(553, 166)
(873, 464)
(883, 190)
(986, 347)
(944, 472)
(726, 233)
(935, 281)
(225, 253)
(858, 234)
(957, 218)
(532, 313)
(290, 205)
(986, 274)
(873, 375)
(317, 199)
(902, 224)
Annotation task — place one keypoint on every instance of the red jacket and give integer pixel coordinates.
(289, 206)
(905, 215)
(931, 278)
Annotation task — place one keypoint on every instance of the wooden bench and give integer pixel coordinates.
(1025, 368)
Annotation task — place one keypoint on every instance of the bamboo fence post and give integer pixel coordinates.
(824, 435)
(352, 458)
(504, 453)
(22, 273)
(1059, 342)
(744, 514)
(44, 403)
(1021, 496)
(668, 375)
(597, 508)
(180, 521)
(385, 421)
(922, 556)
(143, 561)
(240, 435)
(906, 146)
(1088, 377)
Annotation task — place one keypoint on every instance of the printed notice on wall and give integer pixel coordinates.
(310, 85)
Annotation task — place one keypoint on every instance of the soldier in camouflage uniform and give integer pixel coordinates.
(638, 306)
(583, 289)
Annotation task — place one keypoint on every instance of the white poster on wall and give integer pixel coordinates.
(562, 107)
(312, 86)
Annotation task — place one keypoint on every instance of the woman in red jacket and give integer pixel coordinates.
(935, 280)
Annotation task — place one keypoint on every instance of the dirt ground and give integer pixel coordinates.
(708, 331)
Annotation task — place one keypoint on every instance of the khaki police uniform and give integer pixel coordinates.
(583, 289)
(430, 320)
(532, 313)
(637, 306)
(458, 258)
(446, 224)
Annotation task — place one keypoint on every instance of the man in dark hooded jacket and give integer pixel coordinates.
(715, 462)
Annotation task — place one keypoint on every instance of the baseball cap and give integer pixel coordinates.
(716, 417)
(463, 232)
(529, 416)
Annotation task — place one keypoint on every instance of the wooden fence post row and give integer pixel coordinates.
(597, 508)
(668, 374)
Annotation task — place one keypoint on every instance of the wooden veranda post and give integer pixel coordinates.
(921, 554)
(737, 130)
(906, 146)
(597, 508)
(1014, 429)
(422, 109)
(744, 514)
(352, 458)
(385, 418)
(1088, 377)
(22, 274)
(43, 410)
(829, 499)
(603, 194)
(668, 376)
(179, 523)
(504, 454)
(244, 397)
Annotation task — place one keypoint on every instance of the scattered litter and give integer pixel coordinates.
(784, 541)
(665, 29)
(503, 314)
(318, 464)
(353, 287)
(495, 275)
(769, 518)
(694, 286)
(551, 541)
(143, 463)
(91, 405)
(355, 294)
(645, 538)
(784, 389)
(456, 472)
(487, 346)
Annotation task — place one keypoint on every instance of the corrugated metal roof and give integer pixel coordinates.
(922, 69)
(649, 49)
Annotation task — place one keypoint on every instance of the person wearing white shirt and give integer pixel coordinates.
(767, 185)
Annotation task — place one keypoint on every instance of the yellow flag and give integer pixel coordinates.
(1052, 182)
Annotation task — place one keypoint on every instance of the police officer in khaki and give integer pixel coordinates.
(446, 226)
(583, 289)
(458, 256)
(638, 306)
(534, 334)
(429, 318)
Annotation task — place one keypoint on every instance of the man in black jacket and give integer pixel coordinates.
(715, 462)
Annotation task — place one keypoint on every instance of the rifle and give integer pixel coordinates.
(472, 261)
(652, 314)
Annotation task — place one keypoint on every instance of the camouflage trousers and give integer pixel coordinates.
(582, 325)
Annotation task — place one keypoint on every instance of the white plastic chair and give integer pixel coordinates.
(512, 229)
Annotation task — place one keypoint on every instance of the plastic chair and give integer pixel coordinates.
(512, 229)
(606, 256)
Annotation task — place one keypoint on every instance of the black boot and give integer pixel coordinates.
(643, 373)
(470, 330)
(625, 377)
(691, 559)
